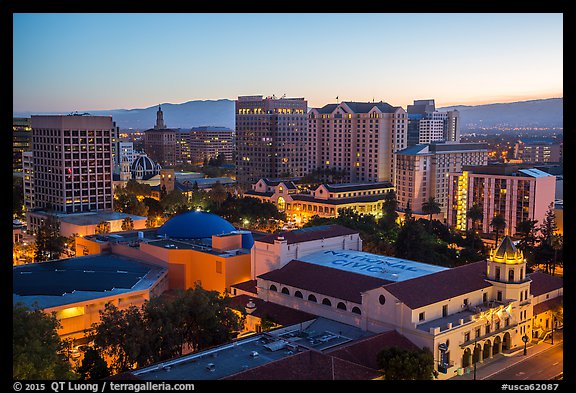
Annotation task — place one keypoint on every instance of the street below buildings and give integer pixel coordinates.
(543, 361)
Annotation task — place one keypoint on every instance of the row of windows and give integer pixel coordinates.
(312, 298)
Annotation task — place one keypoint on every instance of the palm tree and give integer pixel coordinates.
(218, 194)
(476, 214)
(526, 230)
(498, 223)
(430, 207)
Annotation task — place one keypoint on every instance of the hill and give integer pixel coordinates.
(544, 113)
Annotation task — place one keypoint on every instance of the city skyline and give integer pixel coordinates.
(456, 59)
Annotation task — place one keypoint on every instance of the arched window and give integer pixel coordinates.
(281, 203)
(312, 298)
(327, 302)
(341, 306)
(510, 275)
(273, 288)
(298, 294)
(285, 291)
(281, 189)
(356, 310)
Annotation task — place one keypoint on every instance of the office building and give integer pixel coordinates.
(72, 163)
(210, 142)
(508, 190)
(426, 124)
(160, 142)
(21, 140)
(538, 152)
(422, 171)
(356, 139)
(271, 138)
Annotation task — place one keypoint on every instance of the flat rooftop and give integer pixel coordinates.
(60, 282)
(94, 218)
(373, 265)
(254, 351)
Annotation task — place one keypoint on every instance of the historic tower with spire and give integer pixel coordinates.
(160, 119)
(506, 271)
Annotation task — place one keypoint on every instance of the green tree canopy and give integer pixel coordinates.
(93, 366)
(49, 243)
(160, 329)
(37, 351)
(404, 364)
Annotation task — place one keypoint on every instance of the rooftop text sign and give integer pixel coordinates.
(380, 266)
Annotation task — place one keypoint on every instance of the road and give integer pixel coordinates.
(542, 366)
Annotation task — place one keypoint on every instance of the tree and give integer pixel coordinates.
(545, 250)
(118, 335)
(405, 364)
(127, 224)
(389, 207)
(49, 243)
(557, 244)
(102, 227)
(37, 350)
(431, 207)
(475, 214)
(526, 231)
(218, 194)
(93, 366)
(498, 224)
(408, 212)
(18, 209)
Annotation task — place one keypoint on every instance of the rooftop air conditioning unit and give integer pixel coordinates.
(254, 354)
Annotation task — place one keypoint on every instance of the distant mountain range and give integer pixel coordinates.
(544, 113)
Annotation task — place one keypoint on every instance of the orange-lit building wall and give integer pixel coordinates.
(214, 272)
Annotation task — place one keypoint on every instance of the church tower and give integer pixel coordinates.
(125, 173)
(160, 119)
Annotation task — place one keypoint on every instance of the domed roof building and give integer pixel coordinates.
(143, 168)
(199, 225)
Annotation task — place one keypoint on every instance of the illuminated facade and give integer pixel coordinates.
(357, 139)
(21, 140)
(517, 194)
(464, 314)
(193, 246)
(271, 138)
(72, 163)
(422, 171)
(324, 201)
(210, 142)
(77, 289)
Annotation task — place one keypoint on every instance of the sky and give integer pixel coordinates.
(101, 61)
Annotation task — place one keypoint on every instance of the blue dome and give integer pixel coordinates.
(195, 225)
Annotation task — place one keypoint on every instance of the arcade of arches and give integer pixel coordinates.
(485, 349)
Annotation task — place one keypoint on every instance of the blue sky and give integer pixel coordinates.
(67, 62)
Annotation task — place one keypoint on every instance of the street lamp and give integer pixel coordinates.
(553, 323)
(525, 339)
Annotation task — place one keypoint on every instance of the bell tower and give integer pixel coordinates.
(506, 270)
(160, 119)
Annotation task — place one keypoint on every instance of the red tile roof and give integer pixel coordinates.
(365, 351)
(337, 283)
(247, 286)
(308, 234)
(307, 365)
(549, 304)
(544, 283)
(435, 287)
(279, 314)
